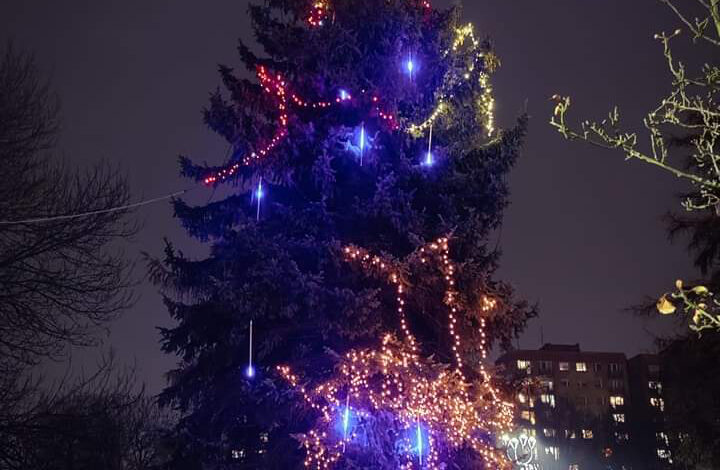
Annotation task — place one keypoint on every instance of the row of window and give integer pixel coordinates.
(545, 398)
(587, 434)
(615, 401)
(614, 384)
(547, 366)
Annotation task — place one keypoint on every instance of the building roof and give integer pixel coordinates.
(560, 352)
(561, 347)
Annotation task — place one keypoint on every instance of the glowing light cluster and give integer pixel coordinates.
(436, 410)
(522, 451)
(318, 13)
(320, 10)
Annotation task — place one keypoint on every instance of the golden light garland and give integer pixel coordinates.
(486, 104)
(438, 402)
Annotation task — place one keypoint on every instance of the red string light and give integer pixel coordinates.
(277, 87)
(274, 86)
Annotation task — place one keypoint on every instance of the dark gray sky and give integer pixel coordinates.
(583, 235)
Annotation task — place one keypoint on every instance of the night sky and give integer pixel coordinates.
(583, 237)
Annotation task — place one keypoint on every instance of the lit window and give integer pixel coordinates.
(654, 385)
(548, 384)
(548, 399)
(663, 453)
(549, 432)
(617, 401)
(619, 417)
(523, 365)
(580, 367)
(237, 454)
(524, 399)
(662, 437)
(554, 451)
(546, 366)
(569, 434)
(658, 403)
(528, 416)
(622, 436)
(587, 434)
(564, 366)
(574, 467)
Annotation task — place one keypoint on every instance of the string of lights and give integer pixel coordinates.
(466, 49)
(436, 410)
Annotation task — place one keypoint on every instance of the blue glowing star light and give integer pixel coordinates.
(410, 66)
(344, 95)
(250, 372)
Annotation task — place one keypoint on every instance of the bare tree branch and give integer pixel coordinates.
(59, 281)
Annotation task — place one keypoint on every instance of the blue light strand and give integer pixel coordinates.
(429, 160)
(362, 143)
(259, 194)
(419, 442)
(250, 371)
(346, 417)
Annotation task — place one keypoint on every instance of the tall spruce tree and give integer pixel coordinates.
(370, 124)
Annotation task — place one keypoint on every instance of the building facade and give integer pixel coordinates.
(647, 413)
(578, 407)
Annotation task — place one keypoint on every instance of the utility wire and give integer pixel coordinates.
(97, 212)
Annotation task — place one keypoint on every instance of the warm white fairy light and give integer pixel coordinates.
(396, 378)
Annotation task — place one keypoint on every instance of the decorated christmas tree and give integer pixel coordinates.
(344, 313)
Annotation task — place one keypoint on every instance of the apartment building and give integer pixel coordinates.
(577, 405)
(647, 414)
